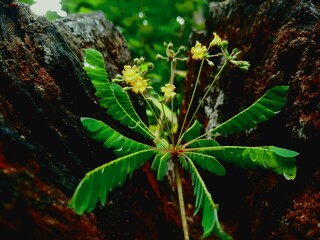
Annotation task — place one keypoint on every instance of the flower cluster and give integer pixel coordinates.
(133, 78)
(200, 52)
(168, 90)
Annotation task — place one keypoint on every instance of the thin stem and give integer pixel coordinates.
(208, 90)
(160, 121)
(172, 125)
(192, 97)
(165, 120)
(173, 71)
(195, 139)
(181, 203)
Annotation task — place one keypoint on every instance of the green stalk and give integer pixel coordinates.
(165, 120)
(192, 97)
(206, 93)
(173, 68)
(172, 125)
(181, 203)
(160, 121)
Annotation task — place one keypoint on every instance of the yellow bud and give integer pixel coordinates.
(216, 40)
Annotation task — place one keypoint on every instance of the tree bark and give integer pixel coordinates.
(281, 40)
(44, 151)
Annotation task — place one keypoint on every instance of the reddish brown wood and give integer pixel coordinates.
(44, 151)
(281, 39)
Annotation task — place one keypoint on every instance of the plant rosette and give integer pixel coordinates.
(186, 145)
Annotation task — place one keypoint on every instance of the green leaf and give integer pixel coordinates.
(156, 162)
(283, 152)
(263, 109)
(94, 59)
(112, 96)
(101, 132)
(253, 157)
(100, 181)
(204, 202)
(171, 116)
(183, 162)
(207, 162)
(162, 169)
(200, 143)
(193, 132)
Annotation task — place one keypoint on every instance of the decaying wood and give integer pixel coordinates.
(281, 40)
(44, 151)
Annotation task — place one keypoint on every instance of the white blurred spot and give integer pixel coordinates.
(180, 20)
(141, 14)
(145, 22)
(41, 7)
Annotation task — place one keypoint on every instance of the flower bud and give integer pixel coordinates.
(224, 44)
(159, 56)
(243, 65)
(216, 40)
(211, 64)
(150, 66)
(136, 61)
(170, 45)
(141, 60)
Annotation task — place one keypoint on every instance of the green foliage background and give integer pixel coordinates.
(147, 24)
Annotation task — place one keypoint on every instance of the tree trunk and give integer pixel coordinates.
(44, 152)
(281, 40)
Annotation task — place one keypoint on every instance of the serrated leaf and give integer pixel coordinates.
(101, 132)
(183, 162)
(94, 59)
(192, 132)
(156, 162)
(253, 157)
(283, 152)
(204, 203)
(163, 166)
(112, 96)
(263, 109)
(202, 143)
(171, 116)
(207, 162)
(98, 182)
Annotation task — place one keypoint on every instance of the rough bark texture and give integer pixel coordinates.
(281, 39)
(44, 151)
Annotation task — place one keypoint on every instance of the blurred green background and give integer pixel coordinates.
(146, 24)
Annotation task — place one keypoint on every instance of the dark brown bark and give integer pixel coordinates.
(44, 151)
(281, 39)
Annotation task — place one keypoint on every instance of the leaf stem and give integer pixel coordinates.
(165, 121)
(173, 67)
(192, 97)
(160, 120)
(203, 98)
(181, 202)
(172, 125)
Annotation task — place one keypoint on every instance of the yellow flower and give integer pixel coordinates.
(130, 74)
(216, 40)
(168, 90)
(198, 51)
(139, 85)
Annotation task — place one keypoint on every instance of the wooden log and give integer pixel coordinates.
(44, 151)
(281, 40)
